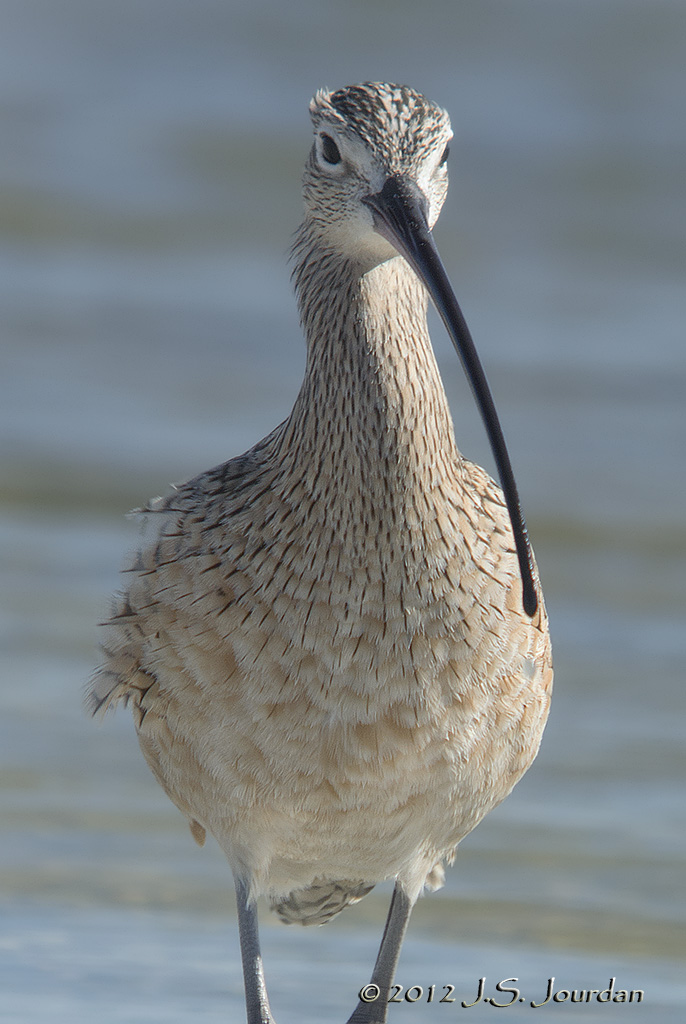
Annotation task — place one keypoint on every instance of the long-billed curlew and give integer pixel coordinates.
(335, 646)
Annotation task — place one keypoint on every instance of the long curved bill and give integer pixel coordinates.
(399, 211)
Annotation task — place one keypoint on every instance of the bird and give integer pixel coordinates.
(335, 646)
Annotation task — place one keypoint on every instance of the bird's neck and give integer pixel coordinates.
(371, 416)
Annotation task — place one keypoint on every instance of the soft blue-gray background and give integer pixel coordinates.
(150, 160)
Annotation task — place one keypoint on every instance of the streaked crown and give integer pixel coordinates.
(392, 120)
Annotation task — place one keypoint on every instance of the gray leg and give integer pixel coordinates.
(256, 999)
(387, 960)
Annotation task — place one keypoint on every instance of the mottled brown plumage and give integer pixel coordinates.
(322, 641)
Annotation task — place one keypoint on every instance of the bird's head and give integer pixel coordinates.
(375, 146)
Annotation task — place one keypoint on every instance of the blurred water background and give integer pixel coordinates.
(149, 185)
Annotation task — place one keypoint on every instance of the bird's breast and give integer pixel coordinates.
(320, 679)
(323, 698)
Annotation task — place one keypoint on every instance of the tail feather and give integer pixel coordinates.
(318, 903)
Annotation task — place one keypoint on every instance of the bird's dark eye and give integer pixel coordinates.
(330, 150)
(446, 154)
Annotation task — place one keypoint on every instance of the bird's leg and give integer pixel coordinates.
(256, 999)
(375, 1012)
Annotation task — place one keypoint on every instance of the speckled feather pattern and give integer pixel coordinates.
(322, 641)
